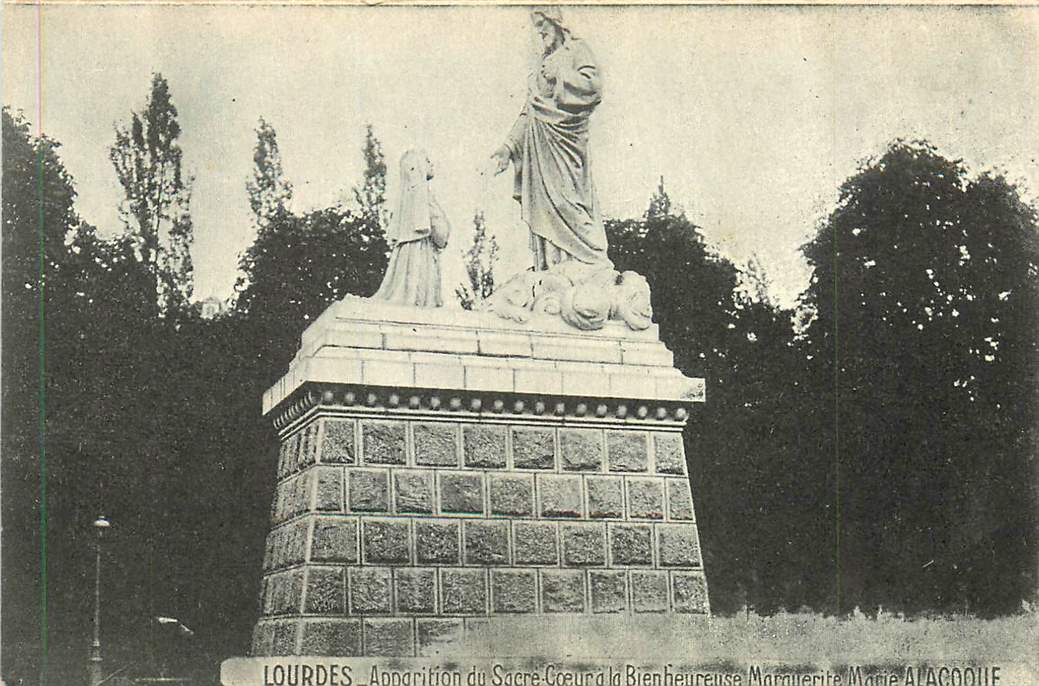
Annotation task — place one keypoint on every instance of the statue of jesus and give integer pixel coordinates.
(548, 146)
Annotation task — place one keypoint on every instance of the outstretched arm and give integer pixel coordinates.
(510, 149)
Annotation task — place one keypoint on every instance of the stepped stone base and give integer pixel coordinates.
(437, 477)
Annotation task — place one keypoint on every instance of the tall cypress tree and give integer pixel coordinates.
(148, 162)
(371, 195)
(269, 190)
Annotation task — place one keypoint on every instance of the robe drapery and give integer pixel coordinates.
(417, 233)
(548, 146)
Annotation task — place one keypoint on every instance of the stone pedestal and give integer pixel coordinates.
(441, 470)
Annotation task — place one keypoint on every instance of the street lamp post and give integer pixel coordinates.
(96, 674)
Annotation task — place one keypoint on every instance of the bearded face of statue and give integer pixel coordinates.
(551, 35)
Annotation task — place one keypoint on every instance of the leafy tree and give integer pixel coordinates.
(269, 191)
(371, 195)
(924, 341)
(147, 161)
(479, 260)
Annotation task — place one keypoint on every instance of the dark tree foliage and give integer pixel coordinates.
(924, 351)
(480, 260)
(147, 161)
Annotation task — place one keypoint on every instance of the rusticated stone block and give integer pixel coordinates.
(278, 502)
(463, 591)
(484, 446)
(581, 449)
(513, 591)
(649, 591)
(383, 442)
(413, 491)
(369, 490)
(436, 445)
(301, 449)
(263, 636)
(560, 495)
(288, 542)
(486, 543)
(533, 448)
(284, 540)
(388, 637)
(284, 639)
(605, 496)
(334, 540)
(536, 543)
(416, 590)
(435, 634)
(308, 446)
(329, 496)
(283, 499)
(370, 591)
(584, 544)
(631, 544)
(461, 492)
(265, 596)
(338, 443)
(646, 498)
(285, 592)
(271, 554)
(609, 591)
(295, 543)
(678, 545)
(562, 590)
(302, 439)
(334, 637)
(285, 546)
(679, 499)
(292, 498)
(287, 456)
(669, 452)
(437, 541)
(279, 542)
(386, 541)
(689, 592)
(512, 494)
(326, 590)
(302, 490)
(627, 451)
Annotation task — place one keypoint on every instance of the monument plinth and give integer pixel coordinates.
(439, 470)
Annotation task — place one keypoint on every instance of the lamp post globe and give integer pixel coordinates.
(101, 524)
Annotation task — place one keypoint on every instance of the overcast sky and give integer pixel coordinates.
(753, 115)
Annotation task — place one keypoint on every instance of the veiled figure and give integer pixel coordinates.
(417, 233)
(548, 146)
